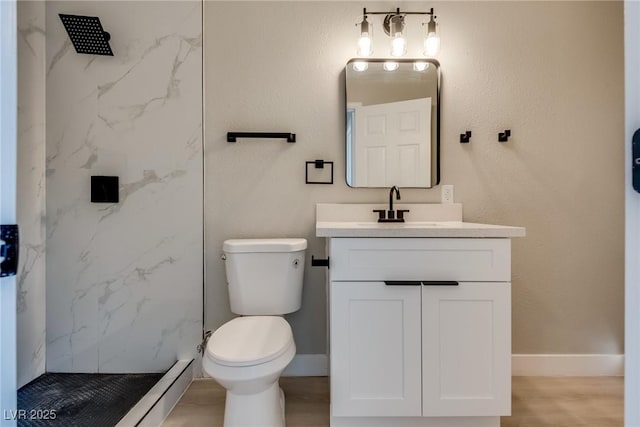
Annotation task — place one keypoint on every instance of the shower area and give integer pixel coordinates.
(109, 294)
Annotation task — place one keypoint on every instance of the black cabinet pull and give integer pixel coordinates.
(439, 283)
(402, 282)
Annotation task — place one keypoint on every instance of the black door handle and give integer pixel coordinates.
(635, 155)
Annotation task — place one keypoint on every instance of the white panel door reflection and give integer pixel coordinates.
(393, 144)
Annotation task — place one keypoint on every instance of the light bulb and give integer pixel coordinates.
(398, 45)
(364, 45)
(396, 31)
(420, 65)
(390, 65)
(432, 45)
(432, 42)
(360, 66)
(364, 42)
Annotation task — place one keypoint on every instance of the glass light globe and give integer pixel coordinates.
(432, 44)
(398, 45)
(364, 45)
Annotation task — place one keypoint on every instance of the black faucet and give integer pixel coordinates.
(391, 214)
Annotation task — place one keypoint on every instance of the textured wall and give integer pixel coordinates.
(31, 190)
(552, 72)
(124, 281)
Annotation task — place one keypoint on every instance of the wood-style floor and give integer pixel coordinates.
(537, 402)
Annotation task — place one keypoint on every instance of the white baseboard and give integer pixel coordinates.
(523, 365)
(308, 365)
(569, 365)
(527, 365)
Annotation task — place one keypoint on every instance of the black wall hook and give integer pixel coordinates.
(465, 137)
(504, 136)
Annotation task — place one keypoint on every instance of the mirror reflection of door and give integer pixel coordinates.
(393, 145)
(392, 123)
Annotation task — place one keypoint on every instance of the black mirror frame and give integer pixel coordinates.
(433, 61)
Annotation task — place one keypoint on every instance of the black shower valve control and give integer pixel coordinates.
(9, 249)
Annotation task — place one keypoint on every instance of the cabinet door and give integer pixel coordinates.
(466, 349)
(375, 349)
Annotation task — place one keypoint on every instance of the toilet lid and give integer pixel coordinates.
(250, 340)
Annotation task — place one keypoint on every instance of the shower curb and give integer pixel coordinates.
(154, 406)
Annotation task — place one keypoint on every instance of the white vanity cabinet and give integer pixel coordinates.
(375, 349)
(420, 331)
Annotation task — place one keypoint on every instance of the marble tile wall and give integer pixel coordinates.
(31, 190)
(124, 281)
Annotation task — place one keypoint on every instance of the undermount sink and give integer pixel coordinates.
(406, 224)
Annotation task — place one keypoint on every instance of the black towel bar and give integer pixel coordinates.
(290, 137)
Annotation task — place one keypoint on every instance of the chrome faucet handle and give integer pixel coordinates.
(381, 214)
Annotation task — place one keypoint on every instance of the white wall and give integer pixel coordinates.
(552, 72)
(124, 281)
(31, 190)
(8, 163)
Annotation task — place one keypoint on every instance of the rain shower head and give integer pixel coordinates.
(87, 35)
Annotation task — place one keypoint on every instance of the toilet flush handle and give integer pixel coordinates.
(223, 257)
(320, 262)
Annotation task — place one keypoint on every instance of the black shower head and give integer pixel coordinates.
(87, 35)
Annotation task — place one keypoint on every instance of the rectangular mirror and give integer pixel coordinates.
(393, 122)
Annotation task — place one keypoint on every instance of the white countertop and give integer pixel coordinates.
(422, 220)
(415, 229)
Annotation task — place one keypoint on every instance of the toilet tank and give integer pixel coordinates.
(264, 275)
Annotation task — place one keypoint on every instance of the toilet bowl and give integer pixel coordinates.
(246, 356)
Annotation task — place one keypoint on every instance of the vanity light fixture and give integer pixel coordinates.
(395, 23)
(432, 41)
(364, 42)
(394, 26)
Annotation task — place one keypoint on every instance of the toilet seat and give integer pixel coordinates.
(249, 341)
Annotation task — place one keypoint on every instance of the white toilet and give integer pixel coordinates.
(247, 354)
